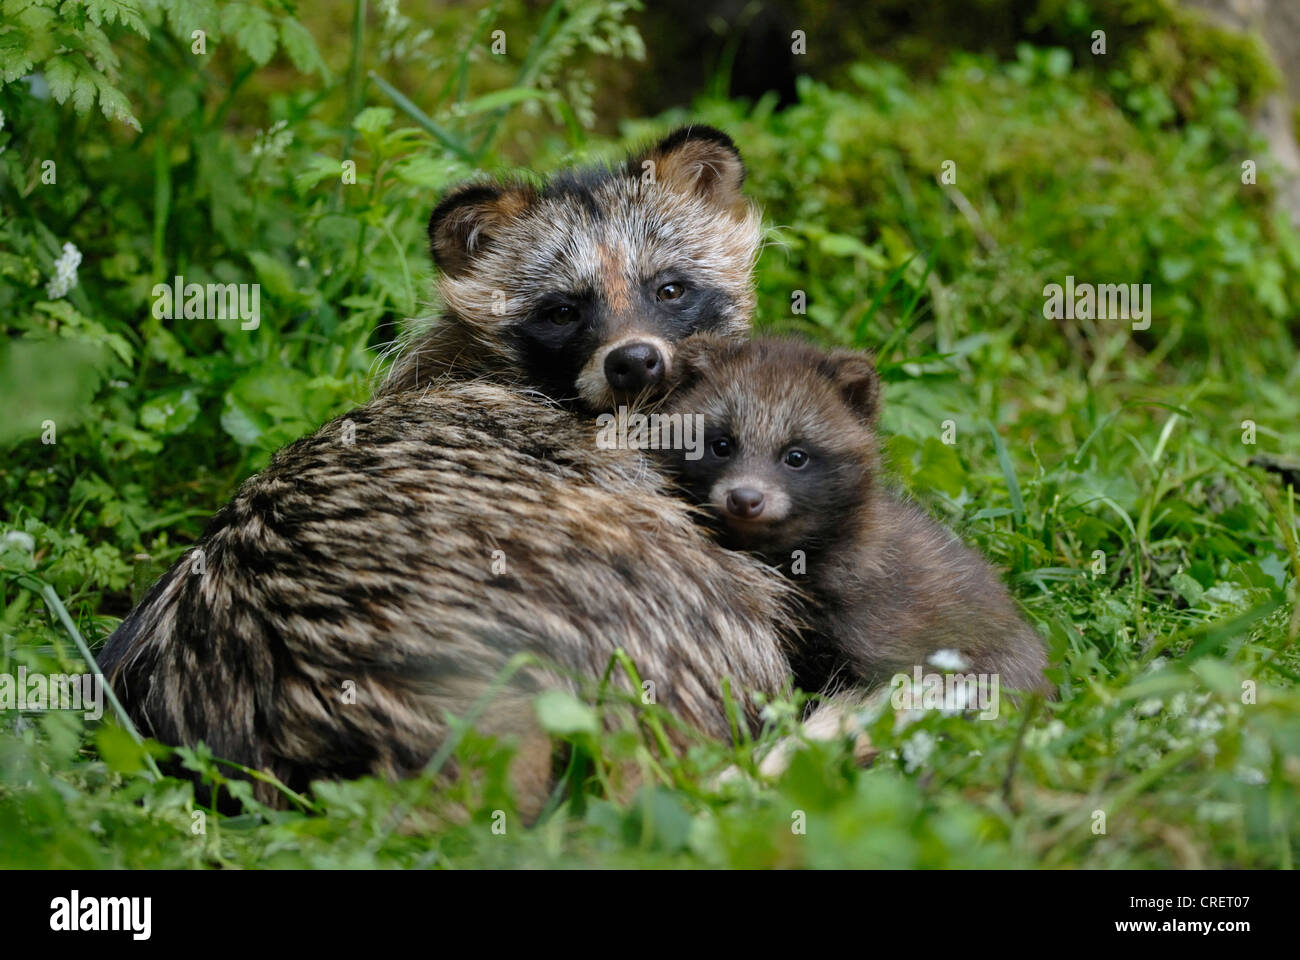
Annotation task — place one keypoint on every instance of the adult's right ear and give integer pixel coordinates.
(696, 161)
(465, 222)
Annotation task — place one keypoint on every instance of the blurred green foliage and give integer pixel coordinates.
(1074, 440)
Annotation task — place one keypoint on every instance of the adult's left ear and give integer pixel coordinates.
(854, 375)
(697, 161)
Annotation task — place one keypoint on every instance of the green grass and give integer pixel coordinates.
(1104, 469)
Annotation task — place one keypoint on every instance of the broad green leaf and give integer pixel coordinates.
(562, 713)
(275, 276)
(170, 413)
(940, 468)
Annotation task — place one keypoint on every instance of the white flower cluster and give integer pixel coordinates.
(65, 272)
(917, 750)
(272, 143)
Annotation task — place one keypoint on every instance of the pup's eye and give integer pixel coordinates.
(721, 448)
(796, 459)
(562, 314)
(671, 291)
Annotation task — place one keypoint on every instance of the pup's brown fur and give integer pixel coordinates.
(888, 585)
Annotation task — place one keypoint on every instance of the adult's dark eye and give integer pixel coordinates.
(721, 448)
(796, 459)
(562, 314)
(671, 291)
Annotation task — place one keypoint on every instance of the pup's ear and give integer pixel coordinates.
(695, 160)
(854, 375)
(696, 356)
(465, 220)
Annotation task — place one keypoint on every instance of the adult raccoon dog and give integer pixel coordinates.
(790, 463)
(350, 597)
(371, 561)
(581, 287)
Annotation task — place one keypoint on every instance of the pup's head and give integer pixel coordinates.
(583, 286)
(789, 456)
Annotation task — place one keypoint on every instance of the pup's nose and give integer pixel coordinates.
(633, 367)
(745, 502)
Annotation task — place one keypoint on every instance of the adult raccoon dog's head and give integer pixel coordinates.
(581, 287)
(789, 457)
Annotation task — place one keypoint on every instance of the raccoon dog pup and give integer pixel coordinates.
(790, 464)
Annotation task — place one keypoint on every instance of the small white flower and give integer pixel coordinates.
(65, 272)
(1041, 736)
(917, 750)
(948, 660)
(1150, 707)
(20, 538)
(1217, 812)
(1251, 776)
(273, 142)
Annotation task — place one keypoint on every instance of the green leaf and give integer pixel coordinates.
(1009, 472)
(563, 714)
(505, 98)
(301, 48)
(275, 276)
(940, 468)
(422, 170)
(62, 76)
(260, 400)
(1187, 588)
(108, 11)
(373, 120)
(318, 168)
(115, 105)
(253, 30)
(170, 413)
(119, 750)
(1219, 677)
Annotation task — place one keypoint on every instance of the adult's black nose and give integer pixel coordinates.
(633, 367)
(745, 502)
